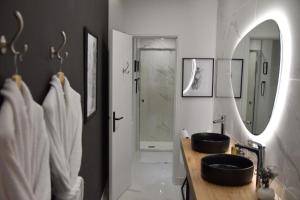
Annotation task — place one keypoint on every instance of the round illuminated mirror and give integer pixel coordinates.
(255, 70)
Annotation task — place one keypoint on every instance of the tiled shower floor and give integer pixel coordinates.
(152, 178)
(156, 146)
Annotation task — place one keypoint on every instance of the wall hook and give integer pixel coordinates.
(126, 69)
(58, 53)
(3, 41)
(3, 44)
(17, 35)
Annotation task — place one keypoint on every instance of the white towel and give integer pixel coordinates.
(75, 193)
(24, 147)
(63, 117)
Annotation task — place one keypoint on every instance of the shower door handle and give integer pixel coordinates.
(114, 120)
(136, 84)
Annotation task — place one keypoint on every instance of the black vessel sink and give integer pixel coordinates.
(210, 142)
(227, 170)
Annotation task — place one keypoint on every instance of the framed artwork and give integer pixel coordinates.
(197, 77)
(223, 78)
(90, 73)
(237, 76)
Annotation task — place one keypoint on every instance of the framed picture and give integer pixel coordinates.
(90, 73)
(237, 76)
(197, 77)
(223, 78)
(229, 76)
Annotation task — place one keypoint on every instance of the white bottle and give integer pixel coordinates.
(184, 133)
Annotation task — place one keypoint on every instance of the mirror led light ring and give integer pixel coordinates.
(284, 75)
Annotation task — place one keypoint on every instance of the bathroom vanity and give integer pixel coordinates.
(203, 190)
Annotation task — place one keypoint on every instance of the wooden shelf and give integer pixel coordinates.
(203, 190)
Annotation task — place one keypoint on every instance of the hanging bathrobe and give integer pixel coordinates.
(63, 116)
(24, 146)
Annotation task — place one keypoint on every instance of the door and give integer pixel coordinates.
(120, 155)
(157, 71)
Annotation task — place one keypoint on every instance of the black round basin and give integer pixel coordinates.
(227, 170)
(210, 142)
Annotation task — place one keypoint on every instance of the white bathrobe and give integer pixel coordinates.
(63, 116)
(24, 147)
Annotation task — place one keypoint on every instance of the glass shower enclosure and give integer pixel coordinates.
(157, 65)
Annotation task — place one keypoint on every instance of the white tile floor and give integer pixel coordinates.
(152, 178)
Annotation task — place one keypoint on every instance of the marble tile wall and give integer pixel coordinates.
(282, 149)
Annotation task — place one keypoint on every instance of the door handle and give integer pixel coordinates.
(114, 120)
(136, 84)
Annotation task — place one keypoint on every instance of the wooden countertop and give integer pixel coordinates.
(203, 190)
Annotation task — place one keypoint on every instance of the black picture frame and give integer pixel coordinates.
(239, 96)
(236, 79)
(212, 60)
(91, 64)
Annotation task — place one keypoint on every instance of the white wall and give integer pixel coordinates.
(194, 24)
(115, 15)
(281, 138)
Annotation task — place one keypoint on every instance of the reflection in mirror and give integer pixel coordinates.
(260, 50)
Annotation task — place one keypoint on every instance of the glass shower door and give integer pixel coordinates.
(157, 71)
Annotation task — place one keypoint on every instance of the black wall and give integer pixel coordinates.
(44, 19)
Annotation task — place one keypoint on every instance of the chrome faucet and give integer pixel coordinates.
(259, 150)
(222, 121)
